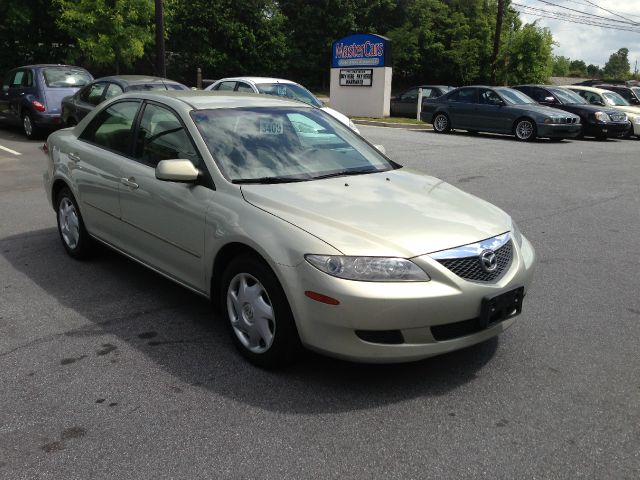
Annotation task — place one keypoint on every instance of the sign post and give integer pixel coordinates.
(419, 103)
(361, 75)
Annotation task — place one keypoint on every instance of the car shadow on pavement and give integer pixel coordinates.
(127, 305)
(511, 138)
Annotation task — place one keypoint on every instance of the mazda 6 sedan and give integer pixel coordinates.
(301, 232)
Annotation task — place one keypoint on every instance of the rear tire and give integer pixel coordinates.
(29, 127)
(75, 238)
(441, 123)
(257, 313)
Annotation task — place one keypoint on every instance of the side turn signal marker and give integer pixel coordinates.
(318, 297)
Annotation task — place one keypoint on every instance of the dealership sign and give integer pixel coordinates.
(356, 77)
(361, 50)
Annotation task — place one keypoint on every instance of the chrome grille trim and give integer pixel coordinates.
(465, 261)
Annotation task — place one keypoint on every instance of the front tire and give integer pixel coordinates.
(525, 130)
(441, 123)
(74, 235)
(257, 312)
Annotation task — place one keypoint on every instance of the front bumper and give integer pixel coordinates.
(410, 308)
(562, 130)
(609, 129)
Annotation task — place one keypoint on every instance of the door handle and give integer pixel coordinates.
(129, 182)
(74, 157)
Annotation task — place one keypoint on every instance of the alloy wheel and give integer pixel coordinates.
(27, 125)
(440, 123)
(524, 130)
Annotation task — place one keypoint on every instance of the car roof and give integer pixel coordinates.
(202, 99)
(256, 80)
(134, 79)
(49, 65)
(608, 85)
(586, 89)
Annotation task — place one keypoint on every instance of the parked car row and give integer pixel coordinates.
(532, 111)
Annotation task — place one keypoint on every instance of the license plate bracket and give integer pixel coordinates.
(500, 307)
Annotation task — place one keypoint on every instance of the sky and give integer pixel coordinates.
(584, 42)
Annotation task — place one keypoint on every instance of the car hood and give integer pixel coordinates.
(400, 213)
(540, 109)
(626, 109)
(337, 115)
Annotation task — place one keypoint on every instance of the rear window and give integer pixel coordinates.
(146, 86)
(65, 77)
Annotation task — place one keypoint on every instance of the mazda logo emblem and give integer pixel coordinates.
(488, 261)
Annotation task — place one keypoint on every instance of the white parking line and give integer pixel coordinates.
(9, 150)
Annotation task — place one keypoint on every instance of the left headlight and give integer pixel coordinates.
(369, 269)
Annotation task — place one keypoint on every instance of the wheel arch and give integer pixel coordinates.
(58, 185)
(523, 117)
(223, 258)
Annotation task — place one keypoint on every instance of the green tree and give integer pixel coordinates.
(226, 38)
(529, 55)
(561, 66)
(594, 70)
(577, 68)
(108, 32)
(618, 65)
(28, 34)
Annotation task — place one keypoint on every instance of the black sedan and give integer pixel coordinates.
(406, 104)
(599, 122)
(498, 110)
(75, 107)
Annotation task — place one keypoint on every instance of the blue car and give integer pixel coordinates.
(31, 96)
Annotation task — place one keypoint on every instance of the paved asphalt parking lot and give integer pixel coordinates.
(109, 371)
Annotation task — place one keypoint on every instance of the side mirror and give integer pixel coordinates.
(549, 100)
(381, 148)
(177, 171)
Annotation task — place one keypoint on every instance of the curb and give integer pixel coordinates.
(406, 126)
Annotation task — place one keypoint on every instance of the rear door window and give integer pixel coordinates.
(225, 86)
(111, 128)
(18, 79)
(464, 95)
(93, 94)
(243, 87)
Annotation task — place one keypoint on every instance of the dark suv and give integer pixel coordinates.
(31, 96)
(630, 94)
(599, 122)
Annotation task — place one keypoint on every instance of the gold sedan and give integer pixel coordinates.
(301, 232)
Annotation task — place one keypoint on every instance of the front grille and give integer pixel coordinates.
(616, 117)
(469, 268)
(387, 337)
(568, 120)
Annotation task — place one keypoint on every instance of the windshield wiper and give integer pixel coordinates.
(348, 171)
(269, 180)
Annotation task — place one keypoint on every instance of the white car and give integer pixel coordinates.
(279, 87)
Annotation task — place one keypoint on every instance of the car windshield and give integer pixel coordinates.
(65, 77)
(154, 86)
(614, 99)
(514, 97)
(289, 90)
(567, 96)
(280, 144)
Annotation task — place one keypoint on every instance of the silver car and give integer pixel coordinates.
(301, 232)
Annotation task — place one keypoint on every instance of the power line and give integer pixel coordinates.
(587, 14)
(578, 19)
(612, 13)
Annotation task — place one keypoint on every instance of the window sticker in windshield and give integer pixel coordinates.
(282, 91)
(271, 127)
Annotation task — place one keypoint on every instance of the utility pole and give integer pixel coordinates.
(496, 42)
(161, 69)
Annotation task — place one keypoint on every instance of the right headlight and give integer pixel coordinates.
(602, 116)
(369, 269)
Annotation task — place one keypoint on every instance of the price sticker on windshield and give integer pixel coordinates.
(271, 127)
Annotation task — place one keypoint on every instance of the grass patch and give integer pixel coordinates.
(392, 120)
